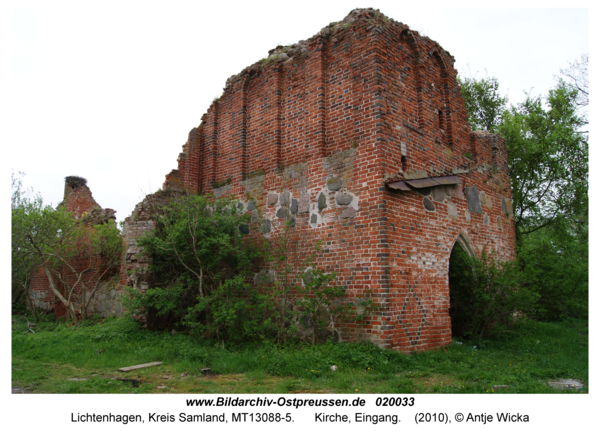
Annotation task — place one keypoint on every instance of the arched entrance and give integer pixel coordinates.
(460, 283)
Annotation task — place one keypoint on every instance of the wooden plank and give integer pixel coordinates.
(136, 367)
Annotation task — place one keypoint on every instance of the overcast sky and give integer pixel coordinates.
(109, 91)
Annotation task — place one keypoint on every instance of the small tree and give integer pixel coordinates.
(303, 296)
(321, 301)
(76, 256)
(23, 262)
(280, 287)
(90, 254)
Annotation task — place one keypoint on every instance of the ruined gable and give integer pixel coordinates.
(359, 136)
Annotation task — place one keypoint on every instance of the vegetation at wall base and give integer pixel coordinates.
(207, 277)
(201, 267)
(61, 358)
(488, 296)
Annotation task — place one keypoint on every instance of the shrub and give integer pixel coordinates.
(201, 263)
(487, 295)
(201, 268)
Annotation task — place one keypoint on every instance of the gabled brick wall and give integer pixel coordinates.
(317, 132)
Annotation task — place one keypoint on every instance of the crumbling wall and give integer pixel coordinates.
(78, 199)
(82, 206)
(134, 271)
(323, 133)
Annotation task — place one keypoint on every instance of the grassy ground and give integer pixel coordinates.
(63, 359)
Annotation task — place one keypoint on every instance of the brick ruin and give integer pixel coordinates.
(78, 200)
(360, 137)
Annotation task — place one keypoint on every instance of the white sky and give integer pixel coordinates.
(109, 91)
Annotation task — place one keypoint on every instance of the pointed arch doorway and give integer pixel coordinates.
(460, 279)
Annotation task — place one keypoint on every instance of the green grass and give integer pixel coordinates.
(64, 359)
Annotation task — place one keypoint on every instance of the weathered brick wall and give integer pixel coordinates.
(317, 131)
(42, 296)
(421, 232)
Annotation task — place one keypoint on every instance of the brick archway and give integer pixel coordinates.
(457, 281)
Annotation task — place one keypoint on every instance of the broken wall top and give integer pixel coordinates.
(279, 54)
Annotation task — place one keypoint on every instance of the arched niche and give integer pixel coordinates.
(414, 82)
(441, 98)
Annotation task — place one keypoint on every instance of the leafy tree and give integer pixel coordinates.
(305, 300)
(547, 149)
(548, 160)
(23, 201)
(320, 301)
(483, 101)
(548, 163)
(555, 263)
(280, 286)
(201, 269)
(76, 256)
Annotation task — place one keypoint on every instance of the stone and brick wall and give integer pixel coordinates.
(318, 132)
(321, 133)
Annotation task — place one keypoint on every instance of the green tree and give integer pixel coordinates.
(548, 160)
(321, 301)
(555, 263)
(549, 169)
(305, 300)
(483, 101)
(547, 149)
(209, 277)
(23, 263)
(548, 163)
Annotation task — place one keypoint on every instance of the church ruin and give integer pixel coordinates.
(360, 137)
